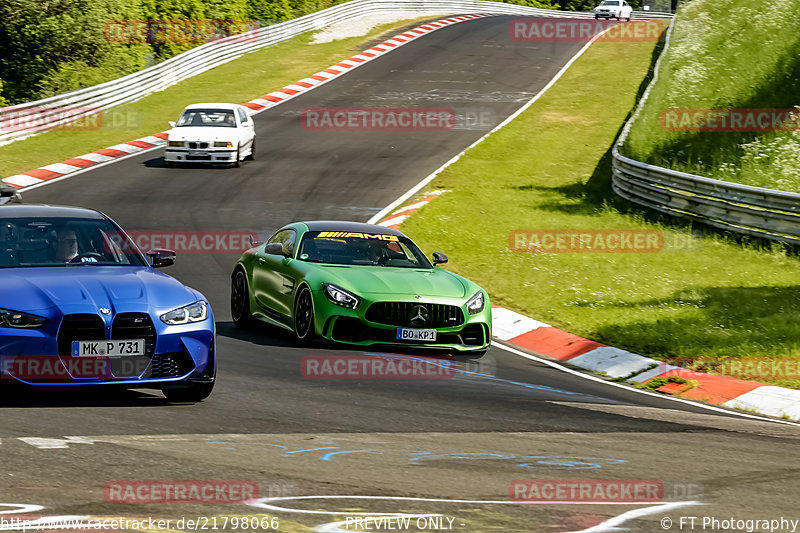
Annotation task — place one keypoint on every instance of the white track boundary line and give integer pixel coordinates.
(333, 527)
(413, 190)
(590, 377)
(81, 171)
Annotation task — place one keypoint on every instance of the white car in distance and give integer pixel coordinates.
(618, 9)
(211, 133)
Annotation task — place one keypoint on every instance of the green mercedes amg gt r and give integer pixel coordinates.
(358, 284)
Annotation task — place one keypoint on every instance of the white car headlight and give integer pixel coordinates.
(223, 144)
(339, 296)
(475, 304)
(196, 312)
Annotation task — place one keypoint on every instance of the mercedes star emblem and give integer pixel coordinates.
(419, 315)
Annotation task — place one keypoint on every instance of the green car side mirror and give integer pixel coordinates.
(275, 248)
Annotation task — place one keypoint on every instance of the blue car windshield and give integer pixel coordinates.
(62, 241)
(348, 248)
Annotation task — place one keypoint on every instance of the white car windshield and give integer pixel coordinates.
(610, 3)
(221, 118)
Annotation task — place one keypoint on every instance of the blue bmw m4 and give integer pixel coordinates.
(80, 304)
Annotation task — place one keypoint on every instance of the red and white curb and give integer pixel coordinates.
(524, 332)
(398, 217)
(41, 175)
(532, 335)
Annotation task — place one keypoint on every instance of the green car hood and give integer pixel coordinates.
(436, 283)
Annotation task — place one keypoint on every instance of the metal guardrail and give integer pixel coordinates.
(754, 211)
(68, 107)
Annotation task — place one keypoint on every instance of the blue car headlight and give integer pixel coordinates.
(475, 304)
(196, 312)
(18, 319)
(339, 296)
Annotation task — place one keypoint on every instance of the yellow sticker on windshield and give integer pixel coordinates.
(346, 234)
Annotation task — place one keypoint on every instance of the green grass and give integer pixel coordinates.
(549, 169)
(239, 81)
(727, 54)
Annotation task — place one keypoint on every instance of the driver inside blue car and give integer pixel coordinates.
(67, 245)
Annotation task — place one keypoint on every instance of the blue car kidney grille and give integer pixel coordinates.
(135, 326)
(79, 327)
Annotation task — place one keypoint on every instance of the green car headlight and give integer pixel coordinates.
(339, 296)
(222, 144)
(196, 312)
(475, 304)
(18, 319)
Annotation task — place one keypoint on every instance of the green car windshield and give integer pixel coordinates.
(349, 248)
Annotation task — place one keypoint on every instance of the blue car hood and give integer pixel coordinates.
(86, 289)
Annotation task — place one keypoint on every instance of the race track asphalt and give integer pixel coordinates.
(501, 418)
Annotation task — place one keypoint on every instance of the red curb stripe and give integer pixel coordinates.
(344, 65)
(357, 59)
(399, 39)
(255, 107)
(271, 98)
(555, 343)
(78, 162)
(288, 91)
(409, 35)
(331, 71)
(110, 152)
(711, 388)
(141, 144)
(387, 43)
(318, 78)
(304, 84)
(161, 135)
(42, 174)
(368, 54)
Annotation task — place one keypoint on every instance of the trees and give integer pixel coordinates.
(56, 46)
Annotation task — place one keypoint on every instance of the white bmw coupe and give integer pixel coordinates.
(211, 133)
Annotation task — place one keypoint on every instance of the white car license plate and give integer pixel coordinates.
(406, 334)
(110, 348)
(199, 153)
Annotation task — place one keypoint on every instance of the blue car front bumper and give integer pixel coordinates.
(42, 356)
